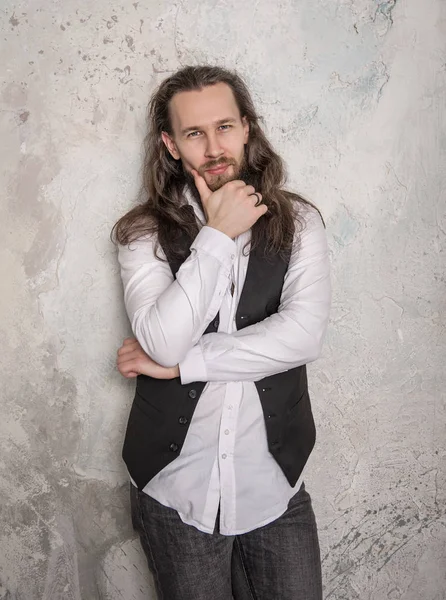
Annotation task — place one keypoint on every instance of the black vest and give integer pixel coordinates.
(162, 409)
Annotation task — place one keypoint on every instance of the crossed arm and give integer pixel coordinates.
(168, 316)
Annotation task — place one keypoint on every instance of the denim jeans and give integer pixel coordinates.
(280, 561)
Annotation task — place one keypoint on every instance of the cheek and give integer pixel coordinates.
(237, 147)
(238, 152)
(193, 154)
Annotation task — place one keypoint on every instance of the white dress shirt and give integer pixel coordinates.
(225, 458)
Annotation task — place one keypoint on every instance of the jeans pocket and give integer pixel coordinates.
(300, 504)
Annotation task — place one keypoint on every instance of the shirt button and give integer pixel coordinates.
(182, 420)
(224, 456)
(232, 256)
(173, 447)
(226, 431)
(192, 394)
(230, 407)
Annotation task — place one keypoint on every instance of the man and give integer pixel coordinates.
(226, 284)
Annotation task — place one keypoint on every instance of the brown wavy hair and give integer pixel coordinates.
(162, 210)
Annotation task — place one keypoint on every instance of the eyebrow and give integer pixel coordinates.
(217, 123)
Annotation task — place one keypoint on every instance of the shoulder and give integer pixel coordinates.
(309, 213)
(304, 211)
(310, 236)
(307, 218)
(143, 249)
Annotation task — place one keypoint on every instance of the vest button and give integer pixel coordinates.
(216, 323)
(173, 447)
(182, 421)
(243, 317)
(271, 416)
(192, 394)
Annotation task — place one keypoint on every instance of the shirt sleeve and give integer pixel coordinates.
(168, 316)
(290, 338)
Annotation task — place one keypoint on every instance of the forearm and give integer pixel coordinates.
(169, 316)
(290, 338)
(277, 344)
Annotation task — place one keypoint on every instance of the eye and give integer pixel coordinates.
(193, 134)
(225, 127)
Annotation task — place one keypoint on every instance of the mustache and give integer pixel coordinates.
(213, 164)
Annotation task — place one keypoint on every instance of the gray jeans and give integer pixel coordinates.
(280, 561)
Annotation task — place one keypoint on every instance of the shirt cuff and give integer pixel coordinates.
(216, 244)
(193, 367)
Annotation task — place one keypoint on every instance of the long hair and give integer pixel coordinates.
(162, 210)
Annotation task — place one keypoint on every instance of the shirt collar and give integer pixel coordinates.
(191, 200)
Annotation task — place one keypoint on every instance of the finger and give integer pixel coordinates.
(130, 374)
(128, 348)
(238, 183)
(129, 340)
(262, 208)
(128, 367)
(133, 361)
(250, 189)
(201, 186)
(256, 198)
(127, 359)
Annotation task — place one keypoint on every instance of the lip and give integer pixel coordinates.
(217, 171)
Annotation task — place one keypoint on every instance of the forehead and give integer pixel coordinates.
(203, 107)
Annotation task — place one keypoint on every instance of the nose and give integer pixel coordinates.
(213, 148)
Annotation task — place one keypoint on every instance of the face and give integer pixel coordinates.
(209, 134)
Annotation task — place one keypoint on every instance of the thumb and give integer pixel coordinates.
(201, 186)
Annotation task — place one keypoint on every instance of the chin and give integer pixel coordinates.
(217, 181)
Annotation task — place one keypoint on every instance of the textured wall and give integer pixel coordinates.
(353, 94)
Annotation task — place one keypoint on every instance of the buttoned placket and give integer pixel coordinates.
(228, 423)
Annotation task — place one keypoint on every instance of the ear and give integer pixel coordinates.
(170, 145)
(245, 129)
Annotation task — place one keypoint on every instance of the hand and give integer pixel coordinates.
(232, 208)
(133, 361)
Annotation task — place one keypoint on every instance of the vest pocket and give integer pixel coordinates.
(155, 414)
(291, 410)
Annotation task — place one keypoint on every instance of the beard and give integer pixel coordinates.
(241, 171)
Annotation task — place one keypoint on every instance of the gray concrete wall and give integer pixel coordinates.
(353, 94)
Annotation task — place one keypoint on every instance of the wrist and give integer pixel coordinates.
(221, 229)
(175, 372)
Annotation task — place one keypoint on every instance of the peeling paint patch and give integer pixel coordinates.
(345, 226)
(13, 20)
(130, 43)
(386, 9)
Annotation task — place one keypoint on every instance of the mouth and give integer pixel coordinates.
(218, 170)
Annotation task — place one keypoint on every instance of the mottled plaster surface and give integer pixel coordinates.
(353, 95)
